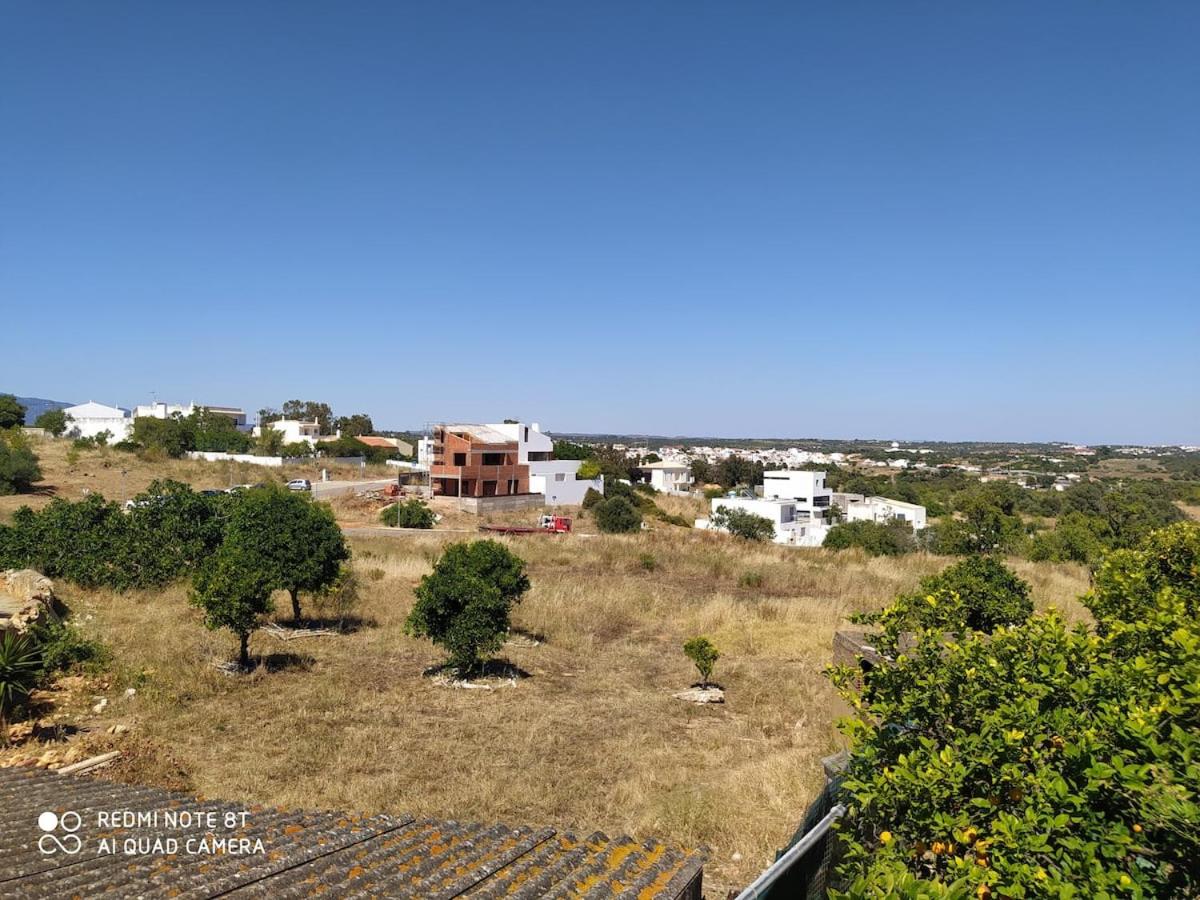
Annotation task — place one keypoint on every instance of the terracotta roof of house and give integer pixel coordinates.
(373, 441)
(304, 853)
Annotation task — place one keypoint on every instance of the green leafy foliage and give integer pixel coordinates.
(704, 655)
(52, 421)
(18, 463)
(617, 515)
(465, 603)
(295, 542)
(744, 524)
(988, 522)
(234, 591)
(408, 514)
(876, 538)
(979, 593)
(12, 413)
(64, 648)
(1041, 760)
(166, 533)
(354, 425)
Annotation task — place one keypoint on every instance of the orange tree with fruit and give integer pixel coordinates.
(1040, 760)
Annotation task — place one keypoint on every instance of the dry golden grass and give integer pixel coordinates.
(592, 739)
(118, 475)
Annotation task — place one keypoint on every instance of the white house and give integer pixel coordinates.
(294, 431)
(556, 479)
(881, 509)
(669, 477)
(783, 513)
(90, 419)
(166, 410)
(807, 488)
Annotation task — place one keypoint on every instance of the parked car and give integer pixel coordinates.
(299, 484)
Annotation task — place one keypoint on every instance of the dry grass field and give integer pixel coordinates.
(119, 475)
(591, 738)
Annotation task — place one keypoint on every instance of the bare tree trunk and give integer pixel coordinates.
(244, 656)
(295, 603)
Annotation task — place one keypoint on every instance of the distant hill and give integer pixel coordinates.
(35, 406)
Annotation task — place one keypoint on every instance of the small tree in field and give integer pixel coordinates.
(235, 593)
(743, 524)
(464, 604)
(295, 541)
(702, 652)
(52, 421)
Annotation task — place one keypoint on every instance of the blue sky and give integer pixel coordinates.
(897, 220)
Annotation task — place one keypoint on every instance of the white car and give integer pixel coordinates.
(299, 484)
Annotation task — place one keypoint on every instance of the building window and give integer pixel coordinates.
(460, 459)
(559, 476)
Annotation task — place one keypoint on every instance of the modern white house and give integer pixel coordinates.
(556, 479)
(166, 410)
(881, 509)
(294, 431)
(796, 501)
(669, 476)
(783, 513)
(90, 419)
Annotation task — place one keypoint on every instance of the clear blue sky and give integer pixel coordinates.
(902, 220)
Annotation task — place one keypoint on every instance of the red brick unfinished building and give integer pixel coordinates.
(476, 461)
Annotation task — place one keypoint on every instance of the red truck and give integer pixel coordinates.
(545, 525)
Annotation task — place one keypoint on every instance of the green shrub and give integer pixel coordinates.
(18, 463)
(465, 603)
(753, 580)
(876, 538)
(409, 514)
(712, 493)
(591, 498)
(1041, 760)
(64, 648)
(979, 593)
(588, 469)
(647, 561)
(168, 530)
(616, 515)
(704, 654)
(743, 524)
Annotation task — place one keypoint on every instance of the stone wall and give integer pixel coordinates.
(26, 597)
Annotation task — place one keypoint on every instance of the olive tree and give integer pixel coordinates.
(464, 604)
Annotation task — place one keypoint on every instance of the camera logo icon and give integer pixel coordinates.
(58, 833)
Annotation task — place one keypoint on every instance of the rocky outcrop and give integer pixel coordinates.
(26, 597)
